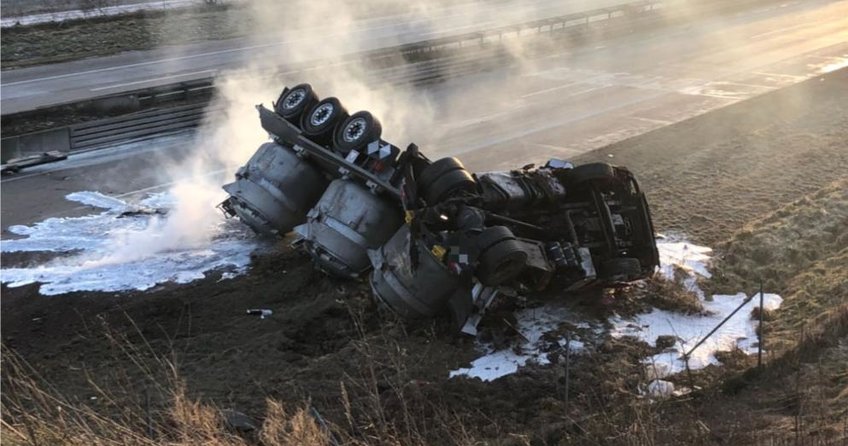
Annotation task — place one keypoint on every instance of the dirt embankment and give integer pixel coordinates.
(708, 177)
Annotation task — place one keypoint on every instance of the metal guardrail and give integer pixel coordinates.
(155, 119)
(136, 126)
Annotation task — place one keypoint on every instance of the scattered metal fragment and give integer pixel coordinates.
(261, 312)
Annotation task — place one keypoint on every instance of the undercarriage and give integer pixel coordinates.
(431, 236)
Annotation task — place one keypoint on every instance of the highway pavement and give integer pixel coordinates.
(566, 103)
(40, 86)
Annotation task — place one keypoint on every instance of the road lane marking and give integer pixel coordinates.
(425, 21)
(567, 151)
(141, 64)
(547, 90)
(782, 30)
(65, 212)
(793, 77)
(652, 121)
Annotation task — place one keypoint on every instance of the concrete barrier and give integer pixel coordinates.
(139, 117)
(32, 144)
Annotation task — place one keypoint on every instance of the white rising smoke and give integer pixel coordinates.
(325, 30)
(231, 133)
(224, 140)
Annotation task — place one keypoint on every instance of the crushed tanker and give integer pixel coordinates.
(430, 235)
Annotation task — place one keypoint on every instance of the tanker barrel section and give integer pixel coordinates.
(431, 236)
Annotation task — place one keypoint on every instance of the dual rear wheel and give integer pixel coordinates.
(327, 122)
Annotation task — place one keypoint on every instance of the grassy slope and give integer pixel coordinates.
(59, 42)
(799, 251)
(709, 176)
(71, 40)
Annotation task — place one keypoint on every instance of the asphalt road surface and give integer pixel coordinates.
(562, 105)
(580, 100)
(29, 88)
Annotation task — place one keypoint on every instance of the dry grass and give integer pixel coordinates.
(811, 297)
(787, 242)
(379, 404)
(800, 252)
(36, 413)
(672, 295)
(152, 411)
(803, 394)
(803, 391)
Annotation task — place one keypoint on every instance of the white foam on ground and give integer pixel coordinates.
(738, 332)
(692, 262)
(533, 324)
(99, 263)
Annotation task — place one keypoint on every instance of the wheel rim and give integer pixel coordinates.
(294, 98)
(322, 114)
(354, 130)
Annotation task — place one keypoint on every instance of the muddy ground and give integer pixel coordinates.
(709, 178)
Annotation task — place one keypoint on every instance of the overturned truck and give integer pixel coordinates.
(430, 235)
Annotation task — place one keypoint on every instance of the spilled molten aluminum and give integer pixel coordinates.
(431, 236)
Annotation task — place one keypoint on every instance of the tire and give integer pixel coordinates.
(448, 184)
(501, 256)
(442, 178)
(621, 269)
(592, 173)
(437, 169)
(320, 121)
(293, 102)
(356, 132)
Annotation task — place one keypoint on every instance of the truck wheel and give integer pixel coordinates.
(501, 257)
(294, 101)
(449, 183)
(437, 169)
(356, 132)
(621, 269)
(592, 172)
(442, 178)
(319, 122)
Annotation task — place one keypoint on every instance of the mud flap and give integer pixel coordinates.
(467, 307)
(277, 126)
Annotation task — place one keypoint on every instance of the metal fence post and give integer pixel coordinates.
(762, 334)
(567, 371)
(732, 313)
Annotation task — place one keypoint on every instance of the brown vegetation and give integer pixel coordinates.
(799, 251)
